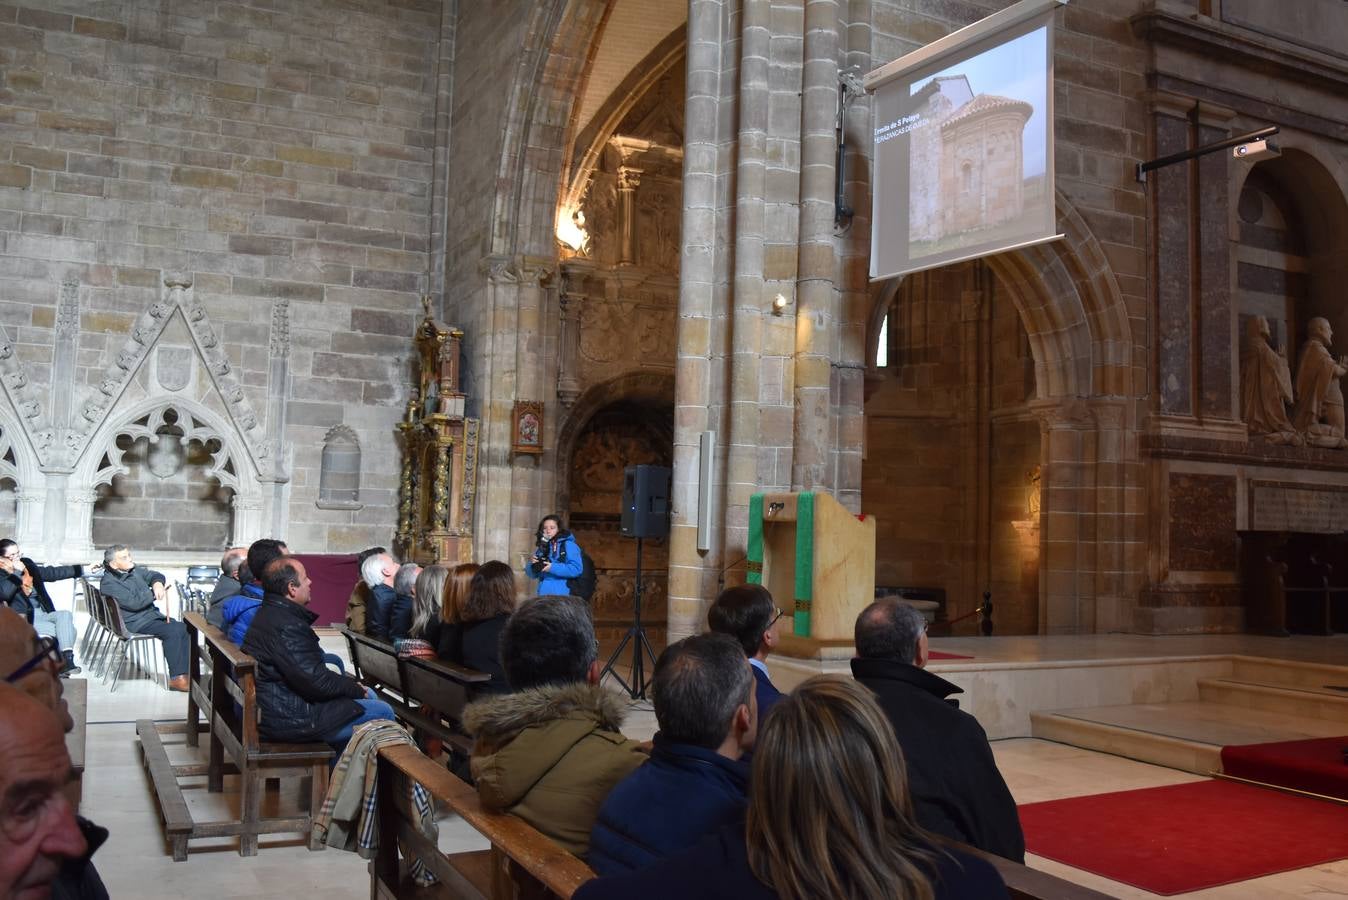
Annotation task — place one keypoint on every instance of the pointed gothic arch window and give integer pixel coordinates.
(339, 474)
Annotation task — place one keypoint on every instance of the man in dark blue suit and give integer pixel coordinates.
(748, 614)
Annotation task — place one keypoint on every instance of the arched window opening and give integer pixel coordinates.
(339, 474)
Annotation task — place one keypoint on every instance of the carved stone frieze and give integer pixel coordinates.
(280, 328)
(68, 309)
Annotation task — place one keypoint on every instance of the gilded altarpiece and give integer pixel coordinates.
(437, 489)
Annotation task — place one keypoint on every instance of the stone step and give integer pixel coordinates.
(1311, 702)
(1289, 672)
(1187, 736)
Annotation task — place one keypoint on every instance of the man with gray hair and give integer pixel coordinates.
(550, 751)
(956, 788)
(705, 702)
(137, 590)
(228, 585)
(378, 571)
(399, 625)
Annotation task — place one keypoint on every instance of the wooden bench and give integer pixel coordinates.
(522, 863)
(76, 694)
(428, 695)
(230, 708)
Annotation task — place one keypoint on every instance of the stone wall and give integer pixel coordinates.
(278, 158)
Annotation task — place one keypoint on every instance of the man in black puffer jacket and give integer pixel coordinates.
(300, 698)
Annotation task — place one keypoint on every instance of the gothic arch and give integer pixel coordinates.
(198, 423)
(1071, 306)
(655, 388)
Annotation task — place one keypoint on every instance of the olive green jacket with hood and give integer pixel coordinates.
(550, 755)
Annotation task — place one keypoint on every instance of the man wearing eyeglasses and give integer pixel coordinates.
(748, 613)
(23, 586)
(42, 843)
(136, 591)
(30, 663)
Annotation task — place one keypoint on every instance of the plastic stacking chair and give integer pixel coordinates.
(125, 639)
(102, 638)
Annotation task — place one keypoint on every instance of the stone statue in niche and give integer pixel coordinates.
(1033, 497)
(1318, 414)
(1265, 386)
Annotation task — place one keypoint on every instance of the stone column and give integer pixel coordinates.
(570, 299)
(813, 466)
(76, 509)
(248, 520)
(1174, 279)
(527, 490)
(629, 178)
(1218, 358)
(703, 339)
(492, 536)
(1067, 535)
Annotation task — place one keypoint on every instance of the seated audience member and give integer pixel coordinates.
(240, 609)
(40, 836)
(137, 590)
(357, 605)
(228, 584)
(300, 698)
(956, 788)
(424, 635)
(478, 602)
(556, 558)
(378, 572)
(550, 751)
(31, 664)
(404, 598)
(746, 613)
(695, 782)
(23, 586)
(829, 817)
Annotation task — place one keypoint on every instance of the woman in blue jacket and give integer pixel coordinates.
(556, 558)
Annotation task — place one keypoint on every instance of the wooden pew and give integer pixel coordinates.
(230, 707)
(522, 863)
(428, 695)
(76, 694)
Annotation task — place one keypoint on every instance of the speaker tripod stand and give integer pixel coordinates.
(641, 647)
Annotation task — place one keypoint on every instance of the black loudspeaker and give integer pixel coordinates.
(646, 501)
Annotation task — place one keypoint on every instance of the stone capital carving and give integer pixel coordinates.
(68, 310)
(1063, 414)
(280, 328)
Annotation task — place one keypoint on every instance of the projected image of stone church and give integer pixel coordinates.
(967, 162)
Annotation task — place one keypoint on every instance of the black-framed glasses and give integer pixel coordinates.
(47, 649)
(779, 614)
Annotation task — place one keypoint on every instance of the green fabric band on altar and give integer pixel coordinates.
(804, 563)
(754, 552)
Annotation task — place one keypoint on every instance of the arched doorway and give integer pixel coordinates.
(627, 422)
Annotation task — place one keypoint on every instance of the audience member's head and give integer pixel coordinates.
(830, 815)
(456, 591)
(703, 693)
(234, 558)
(549, 640)
(38, 829)
(245, 575)
(548, 526)
(426, 607)
(891, 629)
(32, 664)
(262, 552)
(746, 613)
(491, 593)
(367, 553)
(285, 577)
(118, 558)
(405, 581)
(378, 569)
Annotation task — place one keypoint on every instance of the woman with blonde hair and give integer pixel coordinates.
(423, 636)
(829, 817)
(478, 600)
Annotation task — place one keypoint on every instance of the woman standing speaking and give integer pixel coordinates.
(556, 558)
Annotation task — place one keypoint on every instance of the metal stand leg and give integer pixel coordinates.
(641, 647)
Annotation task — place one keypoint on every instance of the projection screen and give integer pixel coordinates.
(964, 144)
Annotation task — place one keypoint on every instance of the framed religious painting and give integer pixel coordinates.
(528, 430)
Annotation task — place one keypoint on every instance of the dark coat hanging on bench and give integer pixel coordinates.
(300, 698)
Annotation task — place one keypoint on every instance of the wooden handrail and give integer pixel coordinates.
(541, 857)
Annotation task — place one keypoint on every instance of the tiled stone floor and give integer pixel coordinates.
(136, 862)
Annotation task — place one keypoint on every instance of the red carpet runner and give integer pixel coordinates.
(937, 654)
(1315, 765)
(1186, 837)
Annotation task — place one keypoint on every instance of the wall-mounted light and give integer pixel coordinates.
(571, 229)
(779, 303)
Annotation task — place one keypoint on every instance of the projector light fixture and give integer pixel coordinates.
(1253, 147)
(779, 303)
